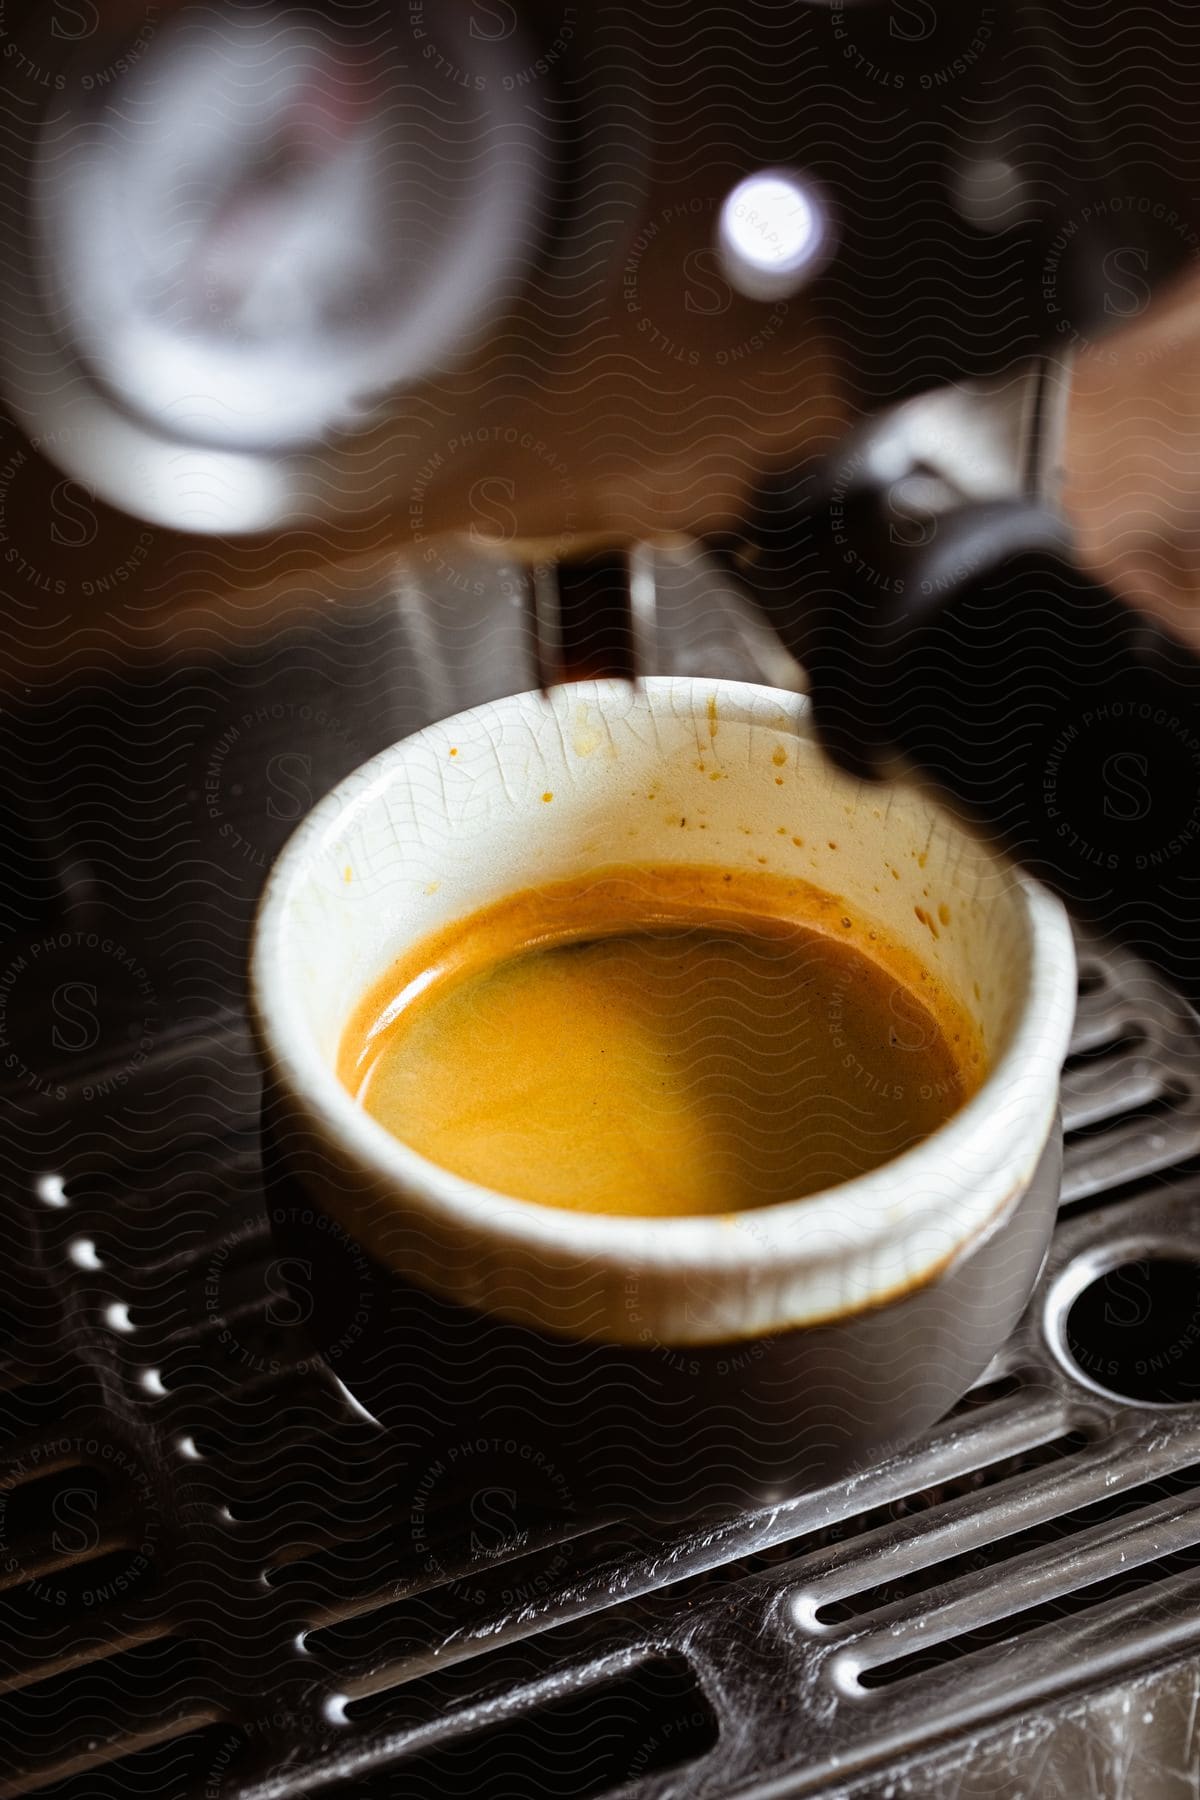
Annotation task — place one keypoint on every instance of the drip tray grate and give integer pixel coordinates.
(207, 1585)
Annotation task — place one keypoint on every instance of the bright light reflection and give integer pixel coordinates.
(771, 233)
(770, 222)
(82, 1252)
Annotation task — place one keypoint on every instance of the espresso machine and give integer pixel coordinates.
(364, 362)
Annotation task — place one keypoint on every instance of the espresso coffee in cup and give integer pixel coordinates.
(723, 1039)
(680, 1312)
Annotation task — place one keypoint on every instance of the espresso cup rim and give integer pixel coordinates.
(837, 1225)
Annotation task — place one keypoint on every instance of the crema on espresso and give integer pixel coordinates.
(663, 1041)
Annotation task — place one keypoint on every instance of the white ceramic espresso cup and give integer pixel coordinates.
(707, 1361)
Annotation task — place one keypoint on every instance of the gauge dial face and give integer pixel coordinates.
(272, 221)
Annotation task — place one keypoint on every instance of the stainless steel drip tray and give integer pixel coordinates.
(209, 1588)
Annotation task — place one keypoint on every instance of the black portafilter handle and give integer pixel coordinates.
(963, 645)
